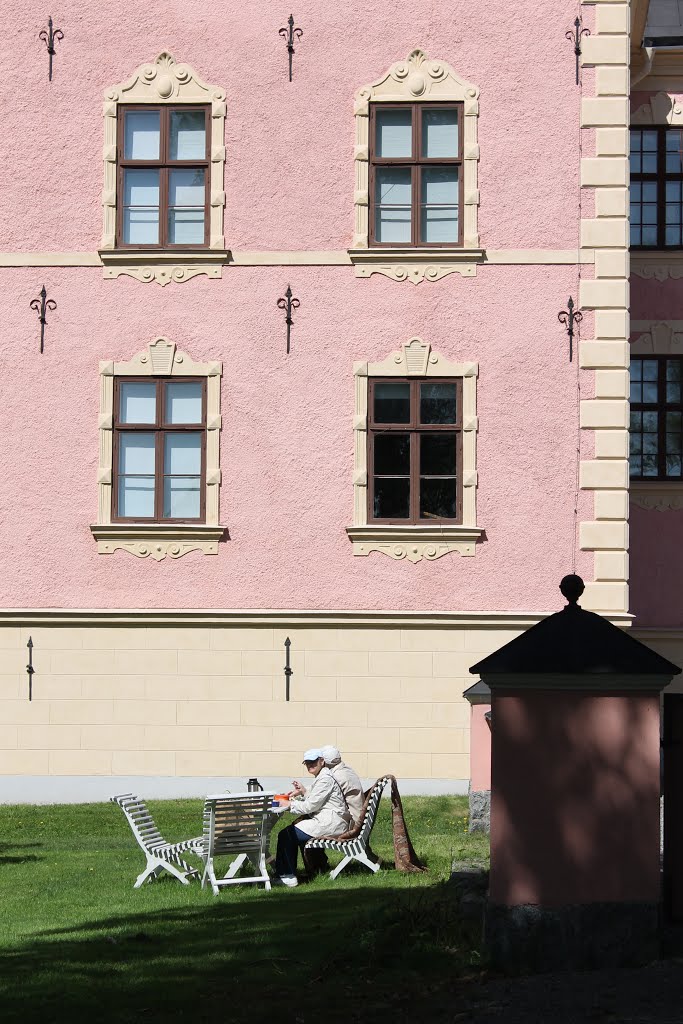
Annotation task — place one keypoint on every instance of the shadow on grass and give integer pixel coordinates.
(18, 858)
(351, 954)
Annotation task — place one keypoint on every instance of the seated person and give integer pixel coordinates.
(351, 785)
(326, 815)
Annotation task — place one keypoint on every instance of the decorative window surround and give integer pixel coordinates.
(415, 359)
(658, 337)
(658, 265)
(162, 82)
(156, 540)
(663, 264)
(412, 80)
(659, 109)
(659, 495)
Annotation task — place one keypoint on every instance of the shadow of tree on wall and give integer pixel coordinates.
(587, 808)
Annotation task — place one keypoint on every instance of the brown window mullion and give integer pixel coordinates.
(661, 187)
(158, 477)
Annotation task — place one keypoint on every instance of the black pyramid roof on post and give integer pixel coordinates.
(575, 642)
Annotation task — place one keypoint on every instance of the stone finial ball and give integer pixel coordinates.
(572, 587)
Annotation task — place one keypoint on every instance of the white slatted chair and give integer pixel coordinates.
(161, 856)
(355, 848)
(237, 824)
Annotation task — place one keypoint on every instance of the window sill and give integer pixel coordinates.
(657, 264)
(416, 264)
(414, 542)
(659, 495)
(163, 265)
(156, 540)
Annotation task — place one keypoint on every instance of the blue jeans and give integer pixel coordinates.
(290, 840)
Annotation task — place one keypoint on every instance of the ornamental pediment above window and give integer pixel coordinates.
(164, 155)
(416, 193)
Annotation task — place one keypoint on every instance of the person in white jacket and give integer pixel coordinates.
(326, 815)
(351, 785)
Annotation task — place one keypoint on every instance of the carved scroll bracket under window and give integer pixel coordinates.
(163, 82)
(415, 359)
(415, 80)
(160, 358)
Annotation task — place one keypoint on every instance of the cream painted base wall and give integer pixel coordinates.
(207, 702)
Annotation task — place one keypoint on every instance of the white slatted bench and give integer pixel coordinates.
(237, 824)
(161, 855)
(356, 846)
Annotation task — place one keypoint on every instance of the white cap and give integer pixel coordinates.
(331, 755)
(313, 754)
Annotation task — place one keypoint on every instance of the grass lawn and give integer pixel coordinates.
(78, 943)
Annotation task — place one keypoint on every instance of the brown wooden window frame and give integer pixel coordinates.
(164, 165)
(417, 161)
(160, 428)
(415, 429)
(661, 407)
(660, 178)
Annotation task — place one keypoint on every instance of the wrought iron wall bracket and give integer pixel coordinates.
(568, 318)
(288, 669)
(288, 304)
(41, 306)
(29, 668)
(575, 38)
(289, 34)
(50, 36)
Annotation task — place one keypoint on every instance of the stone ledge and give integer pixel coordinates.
(414, 542)
(157, 540)
(416, 264)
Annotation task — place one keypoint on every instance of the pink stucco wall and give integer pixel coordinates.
(287, 442)
(480, 748)
(575, 798)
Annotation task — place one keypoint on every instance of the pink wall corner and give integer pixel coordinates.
(656, 567)
(480, 749)
(575, 798)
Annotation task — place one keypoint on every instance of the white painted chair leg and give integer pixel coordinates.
(236, 865)
(340, 867)
(264, 872)
(173, 870)
(364, 859)
(150, 871)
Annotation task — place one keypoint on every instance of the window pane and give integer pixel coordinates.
(674, 151)
(394, 133)
(392, 402)
(439, 133)
(136, 497)
(392, 454)
(673, 380)
(184, 402)
(439, 204)
(437, 499)
(392, 498)
(136, 453)
(183, 453)
(141, 207)
(186, 187)
(186, 227)
(438, 403)
(188, 135)
(437, 454)
(181, 498)
(138, 402)
(393, 193)
(141, 135)
(186, 192)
